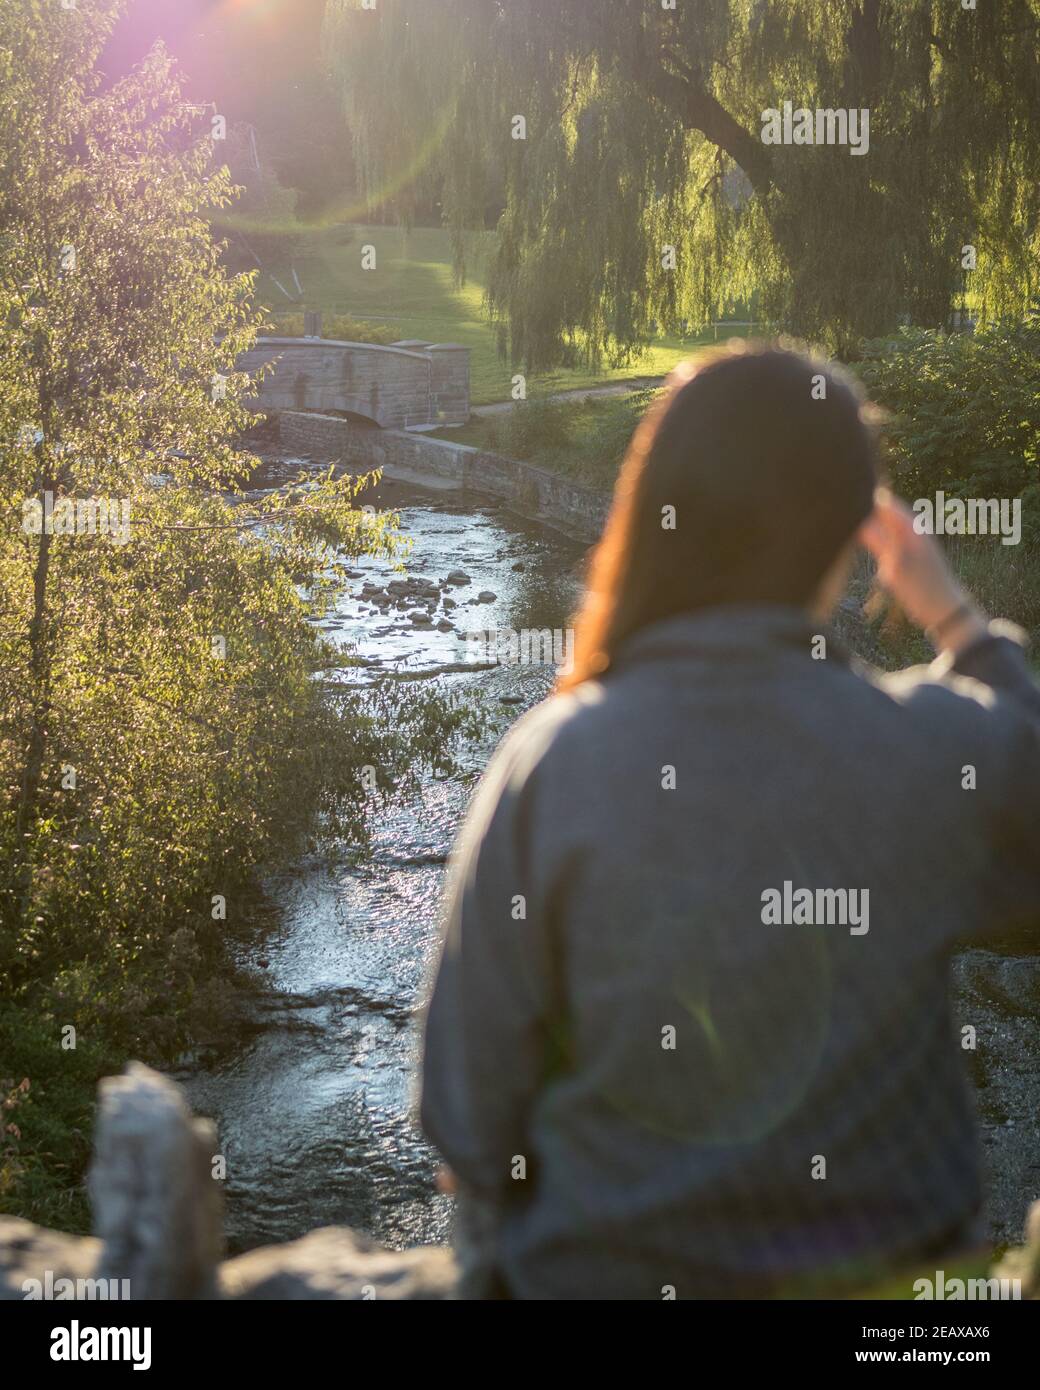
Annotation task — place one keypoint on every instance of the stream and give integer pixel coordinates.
(313, 1105)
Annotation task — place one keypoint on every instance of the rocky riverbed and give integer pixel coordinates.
(311, 1087)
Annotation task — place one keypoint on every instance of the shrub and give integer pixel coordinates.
(344, 327)
(539, 428)
(585, 438)
(1004, 580)
(964, 411)
(46, 1104)
(611, 432)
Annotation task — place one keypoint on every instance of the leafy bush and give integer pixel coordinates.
(11, 1096)
(343, 327)
(46, 1104)
(964, 412)
(585, 438)
(611, 431)
(539, 427)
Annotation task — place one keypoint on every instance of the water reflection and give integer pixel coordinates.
(313, 1105)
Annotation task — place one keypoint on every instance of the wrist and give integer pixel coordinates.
(962, 625)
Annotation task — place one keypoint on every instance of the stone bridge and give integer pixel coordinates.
(409, 385)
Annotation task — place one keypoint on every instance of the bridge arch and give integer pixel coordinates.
(411, 385)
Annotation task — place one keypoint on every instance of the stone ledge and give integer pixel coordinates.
(157, 1214)
(336, 1263)
(333, 1263)
(409, 456)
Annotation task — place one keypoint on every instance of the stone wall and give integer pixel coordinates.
(411, 385)
(530, 491)
(158, 1228)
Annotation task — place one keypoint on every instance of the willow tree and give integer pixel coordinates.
(642, 130)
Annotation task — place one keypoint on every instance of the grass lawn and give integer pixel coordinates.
(412, 291)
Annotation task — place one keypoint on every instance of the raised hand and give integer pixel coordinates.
(913, 569)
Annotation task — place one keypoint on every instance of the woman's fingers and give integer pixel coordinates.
(872, 535)
(889, 524)
(910, 565)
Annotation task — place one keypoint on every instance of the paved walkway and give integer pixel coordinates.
(616, 388)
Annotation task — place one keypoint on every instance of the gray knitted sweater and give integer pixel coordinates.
(691, 1026)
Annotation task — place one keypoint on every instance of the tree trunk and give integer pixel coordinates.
(40, 678)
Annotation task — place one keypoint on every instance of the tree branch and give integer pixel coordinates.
(699, 110)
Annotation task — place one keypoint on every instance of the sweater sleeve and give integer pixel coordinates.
(998, 660)
(1010, 779)
(485, 1037)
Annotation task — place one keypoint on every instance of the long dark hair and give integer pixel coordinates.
(742, 484)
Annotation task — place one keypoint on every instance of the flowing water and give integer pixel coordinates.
(313, 1098)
